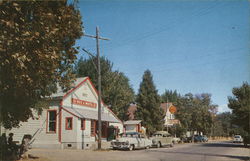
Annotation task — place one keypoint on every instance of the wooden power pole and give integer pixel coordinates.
(97, 37)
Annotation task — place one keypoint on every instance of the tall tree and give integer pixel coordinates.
(116, 90)
(36, 51)
(196, 112)
(148, 100)
(170, 96)
(224, 125)
(240, 105)
(184, 112)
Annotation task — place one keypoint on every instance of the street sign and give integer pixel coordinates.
(172, 109)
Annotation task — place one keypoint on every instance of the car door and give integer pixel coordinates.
(139, 141)
(169, 139)
(165, 139)
(144, 140)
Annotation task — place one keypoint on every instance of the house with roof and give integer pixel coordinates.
(134, 126)
(169, 111)
(70, 121)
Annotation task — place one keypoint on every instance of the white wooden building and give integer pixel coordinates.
(70, 121)
(169, 119)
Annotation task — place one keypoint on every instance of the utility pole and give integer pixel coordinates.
(97, 37)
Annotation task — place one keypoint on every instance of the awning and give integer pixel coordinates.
(132, 122)
(89, 114)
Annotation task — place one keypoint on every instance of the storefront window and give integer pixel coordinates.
(52, 121)
(69, 123)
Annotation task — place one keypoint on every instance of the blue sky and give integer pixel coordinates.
(189, 46)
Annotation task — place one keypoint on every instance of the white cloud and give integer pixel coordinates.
(223, 108)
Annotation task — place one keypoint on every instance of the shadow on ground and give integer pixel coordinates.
(226, 144)
(206, 154)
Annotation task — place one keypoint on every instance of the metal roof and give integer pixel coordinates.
(132, 122)
(90, 114)
(61, 93)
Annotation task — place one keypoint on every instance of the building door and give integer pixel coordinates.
(104, 129)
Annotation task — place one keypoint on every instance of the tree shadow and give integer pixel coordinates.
(30, 156)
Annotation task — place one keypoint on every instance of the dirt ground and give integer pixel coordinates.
(35, 158)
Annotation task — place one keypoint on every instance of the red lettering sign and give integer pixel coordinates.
(83, 103)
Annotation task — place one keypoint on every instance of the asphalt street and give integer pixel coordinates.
(212, 151)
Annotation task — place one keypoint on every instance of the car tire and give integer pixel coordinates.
(147, 147)
(158, 145)
(131, 147)
(171, 145)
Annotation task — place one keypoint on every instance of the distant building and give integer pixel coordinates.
(131, 111)
(70, 121)
(133, 126)
(169, 119)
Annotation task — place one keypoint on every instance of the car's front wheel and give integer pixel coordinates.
(131, 147)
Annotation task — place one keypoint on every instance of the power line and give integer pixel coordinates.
(192, 65)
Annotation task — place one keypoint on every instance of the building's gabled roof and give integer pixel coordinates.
(61, 93)
(132, 122)
(165, 106)
(89, 114)
(78, 82)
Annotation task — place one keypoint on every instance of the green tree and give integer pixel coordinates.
(240, 105)
(116, 90)
(177, 130)
(196, 112)
(148, 100)
(184, 112)
(36, 52)
(223, 124)
(170, 96)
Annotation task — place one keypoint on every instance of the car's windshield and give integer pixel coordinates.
(130, 135)
(157, 135)
(237, 136)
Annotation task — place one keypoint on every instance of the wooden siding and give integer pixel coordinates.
(36, 128)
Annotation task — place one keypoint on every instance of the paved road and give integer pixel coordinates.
(218, 151)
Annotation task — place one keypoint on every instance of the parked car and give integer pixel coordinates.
(237, 139)
(131, 141)
(161, 138)
(197, 138)
(176, 140)
(186, 139)
(204, 138)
